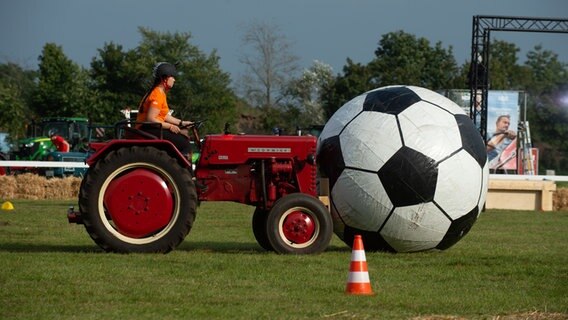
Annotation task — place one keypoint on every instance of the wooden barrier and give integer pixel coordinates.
(520, 194)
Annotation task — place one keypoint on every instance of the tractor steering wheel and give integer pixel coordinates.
(195, 131)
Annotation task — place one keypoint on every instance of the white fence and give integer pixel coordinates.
(43, 164)
(527, 177)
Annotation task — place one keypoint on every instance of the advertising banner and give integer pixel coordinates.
(502, 122)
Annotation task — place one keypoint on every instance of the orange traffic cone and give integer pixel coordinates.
(358, 282)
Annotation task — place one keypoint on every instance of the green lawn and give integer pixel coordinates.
(512, 264)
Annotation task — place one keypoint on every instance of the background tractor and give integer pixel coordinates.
(38, 146)
(140, 194)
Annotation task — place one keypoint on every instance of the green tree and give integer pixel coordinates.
(548, 73)
(16, 89)
(547, 108)
(118, 80)
(206, 94)
(504, 71)
(355, 80)
(61, 86)
(306, 93)
(402, 58)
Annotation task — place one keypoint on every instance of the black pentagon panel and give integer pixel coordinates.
(409, 177)
(392, 100)
(330, 159)
(372, 241)
(471, 139)
(458, 229)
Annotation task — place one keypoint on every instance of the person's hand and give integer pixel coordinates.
(511, 134)
(186, 123)
(174, 128)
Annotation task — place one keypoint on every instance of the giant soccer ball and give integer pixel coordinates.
(407, 170)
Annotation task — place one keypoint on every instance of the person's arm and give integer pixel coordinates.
(153, 117)
(511, 134)
(495, 141)
(178, 122)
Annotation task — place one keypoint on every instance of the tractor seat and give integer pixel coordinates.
(130, 132)
(133, 133)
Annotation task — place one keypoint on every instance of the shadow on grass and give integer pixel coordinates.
(220, 247)
(186, 246)
(236, 247)
(14, 247)
(216, 247)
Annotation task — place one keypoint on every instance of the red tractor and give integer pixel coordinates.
(140, 194)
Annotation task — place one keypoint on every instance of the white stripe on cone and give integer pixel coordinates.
(358, 277)
(358, 255)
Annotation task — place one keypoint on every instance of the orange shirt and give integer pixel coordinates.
(156, 99)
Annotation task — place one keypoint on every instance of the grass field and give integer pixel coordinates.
(512, 265)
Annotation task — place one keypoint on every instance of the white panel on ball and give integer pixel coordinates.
(422, 124)
(438, 99)
(342, 117)
(458, 175)
(361, 200)
(366, 147)
(415, 228)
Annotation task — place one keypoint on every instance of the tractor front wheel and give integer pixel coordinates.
(299, 224)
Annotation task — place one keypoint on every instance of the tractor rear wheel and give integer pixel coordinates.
(299, 224)
(138, 199)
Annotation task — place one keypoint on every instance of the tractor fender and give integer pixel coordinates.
(100, 149)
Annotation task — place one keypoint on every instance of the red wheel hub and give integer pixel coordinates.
(139, 203)
(298, 227)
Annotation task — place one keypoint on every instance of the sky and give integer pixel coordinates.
(326, 30)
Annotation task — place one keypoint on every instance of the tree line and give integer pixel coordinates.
(273, 92)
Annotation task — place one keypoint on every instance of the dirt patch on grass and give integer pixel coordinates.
(536, 315)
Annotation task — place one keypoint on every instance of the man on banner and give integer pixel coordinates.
(500, 147)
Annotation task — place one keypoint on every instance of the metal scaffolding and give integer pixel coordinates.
(480, 42)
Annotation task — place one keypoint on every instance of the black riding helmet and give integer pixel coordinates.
(164, 69)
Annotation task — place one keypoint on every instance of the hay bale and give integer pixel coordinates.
(560, 199)
(7, 187)
(30, 186)
(62, 188)
(34, 187)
